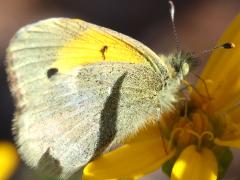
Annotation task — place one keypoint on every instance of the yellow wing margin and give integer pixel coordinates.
(94, 44)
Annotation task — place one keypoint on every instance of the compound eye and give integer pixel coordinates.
(185, 68)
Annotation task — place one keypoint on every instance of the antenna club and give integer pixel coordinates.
(172, 10)
(228, 45)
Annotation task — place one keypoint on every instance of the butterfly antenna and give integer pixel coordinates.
(227, 45)
(172, 15)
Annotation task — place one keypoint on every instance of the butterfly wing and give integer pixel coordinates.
(78, 87)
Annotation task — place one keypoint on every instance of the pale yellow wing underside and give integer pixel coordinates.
(61, 116)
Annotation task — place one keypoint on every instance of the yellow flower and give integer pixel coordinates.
(8, 160)
(193, 142)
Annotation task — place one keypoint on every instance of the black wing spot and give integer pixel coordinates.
(51, 72)
(103, 50)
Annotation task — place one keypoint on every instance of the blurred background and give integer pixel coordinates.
(200, 23)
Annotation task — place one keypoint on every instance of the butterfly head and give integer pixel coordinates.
(181, 63)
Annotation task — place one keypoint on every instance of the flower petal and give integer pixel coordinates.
(223, 70)
(230, 135)
(195, 164)
(8, 160)
(234, 143)
(132, 160)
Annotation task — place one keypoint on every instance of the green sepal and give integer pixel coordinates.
(224, 157)
(168, 165)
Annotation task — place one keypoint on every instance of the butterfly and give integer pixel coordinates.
(80, 89)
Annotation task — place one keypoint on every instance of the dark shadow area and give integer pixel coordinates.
(6, 107)
(48, 165)
(109, 116)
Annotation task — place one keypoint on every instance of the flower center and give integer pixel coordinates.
(192, 123)
(194, 128)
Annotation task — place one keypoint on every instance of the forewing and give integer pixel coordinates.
(77, 89)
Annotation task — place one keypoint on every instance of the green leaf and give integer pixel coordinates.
(224, 157)
(167, 166)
